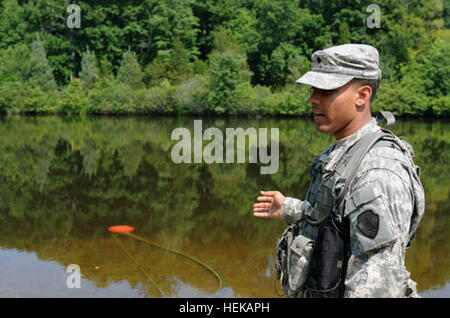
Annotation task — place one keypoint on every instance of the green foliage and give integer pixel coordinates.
(12, 23)
(158, 99)
(215, 56)
(270, 31)
(15, 63)
(446, 13)
(441, 106)
(292, 102)
(89, 69)
(436, 67)
(8, 95)
(228, 73)
(73, 99)
(171, 21)
(130, 72)
(111, 99)
(398, 99)
(173, 65)
(41, 72)
(344, 33)
(191, 96)
(279, 63)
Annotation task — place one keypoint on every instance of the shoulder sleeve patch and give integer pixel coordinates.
(368, 223)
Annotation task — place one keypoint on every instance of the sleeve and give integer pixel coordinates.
(379, 212)
(293, 210)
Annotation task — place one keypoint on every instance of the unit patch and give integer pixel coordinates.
(368, 223)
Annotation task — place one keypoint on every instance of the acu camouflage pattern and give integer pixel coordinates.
(386, 184)
(336, 66)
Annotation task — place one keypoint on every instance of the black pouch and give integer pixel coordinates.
(329, 261)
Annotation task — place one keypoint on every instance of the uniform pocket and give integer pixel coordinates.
(300, 250)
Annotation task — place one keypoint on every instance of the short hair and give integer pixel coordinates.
(373, 83)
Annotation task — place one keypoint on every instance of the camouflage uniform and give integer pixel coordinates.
(383, 184)
(384, 204)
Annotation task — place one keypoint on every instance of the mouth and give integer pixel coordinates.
(318, 116)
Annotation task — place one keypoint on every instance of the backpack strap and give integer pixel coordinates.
(343, 183)
(390, 118)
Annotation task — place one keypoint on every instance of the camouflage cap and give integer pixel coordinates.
(338, 65)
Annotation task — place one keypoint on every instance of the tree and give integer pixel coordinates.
(344, 33)
(229, 72)
(437, 69)
(173, 65)
(41, 71)
(169, 21)
(266, 28)
(280, 64)
(130, 72)
(12, 23)
(89, 70)
(446, 13)
(15, 63)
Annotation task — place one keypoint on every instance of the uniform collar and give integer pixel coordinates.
(341, 146)
(350, 140)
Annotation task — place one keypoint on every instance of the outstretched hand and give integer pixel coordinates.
(270, 206)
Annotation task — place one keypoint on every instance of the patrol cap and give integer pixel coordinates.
(338, 65)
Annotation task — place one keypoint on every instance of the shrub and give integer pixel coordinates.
(401, 98)
(156, 100)
(441, 106)
(73, 99)
(191, 96)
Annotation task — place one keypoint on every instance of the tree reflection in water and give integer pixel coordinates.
(65, 180)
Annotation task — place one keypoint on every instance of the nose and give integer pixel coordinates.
(314, 98)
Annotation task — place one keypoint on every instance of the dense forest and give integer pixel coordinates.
(212, 56)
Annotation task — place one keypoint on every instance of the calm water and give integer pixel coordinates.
(65, 180)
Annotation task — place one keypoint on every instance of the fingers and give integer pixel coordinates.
(264, 199)
(269, 193)
(262, 205)
(262, 214)
(261, 210)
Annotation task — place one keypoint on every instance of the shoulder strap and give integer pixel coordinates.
(365, 144)
(390, 118)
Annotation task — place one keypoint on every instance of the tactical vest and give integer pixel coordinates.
(326, 194)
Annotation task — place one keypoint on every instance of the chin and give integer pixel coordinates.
(323, 129)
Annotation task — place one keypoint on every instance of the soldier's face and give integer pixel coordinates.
(334, 110)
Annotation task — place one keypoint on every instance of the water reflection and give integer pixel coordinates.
(65, 180)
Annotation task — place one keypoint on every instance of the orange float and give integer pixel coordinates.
(121, 229)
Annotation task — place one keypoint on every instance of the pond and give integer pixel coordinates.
(65, 180)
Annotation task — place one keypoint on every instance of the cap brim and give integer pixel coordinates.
(324, 80)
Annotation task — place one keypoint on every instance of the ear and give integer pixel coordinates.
(363, 94)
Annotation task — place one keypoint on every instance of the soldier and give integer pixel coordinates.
(380, 203)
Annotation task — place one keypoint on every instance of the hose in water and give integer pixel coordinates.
(204, 265)
(139, 266)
